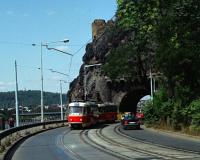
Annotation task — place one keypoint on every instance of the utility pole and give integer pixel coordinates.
(151, 83)
(85, 90)
(16, 97)
(42, 85)
(41, 68)
(61, 103)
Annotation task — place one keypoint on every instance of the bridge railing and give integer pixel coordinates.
(12, 135)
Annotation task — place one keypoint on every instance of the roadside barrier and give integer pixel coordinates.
(11, 136)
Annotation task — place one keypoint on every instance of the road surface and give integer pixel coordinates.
(66, 144)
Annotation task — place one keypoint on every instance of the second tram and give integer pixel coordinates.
(107, 112)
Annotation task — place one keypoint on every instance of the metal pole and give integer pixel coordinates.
(151, 83)
(46, 45)
(61, 104)
(42, 102)
(85, 91)
(16, 97)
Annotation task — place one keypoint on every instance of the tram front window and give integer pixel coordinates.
(76, 109)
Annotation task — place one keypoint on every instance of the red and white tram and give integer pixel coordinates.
(82, 114)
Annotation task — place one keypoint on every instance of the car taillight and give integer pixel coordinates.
(126, 122)
(70, 120)
(80, 119)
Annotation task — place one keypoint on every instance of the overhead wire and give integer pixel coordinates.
(15, 43)
(37, 44)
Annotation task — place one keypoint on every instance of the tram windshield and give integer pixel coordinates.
(76, 109)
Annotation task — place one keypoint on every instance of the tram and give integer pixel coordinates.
(108, 112)
(82, 114)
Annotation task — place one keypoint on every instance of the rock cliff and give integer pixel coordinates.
(92, 83)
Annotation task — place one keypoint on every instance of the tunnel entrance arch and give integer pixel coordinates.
(130, 100)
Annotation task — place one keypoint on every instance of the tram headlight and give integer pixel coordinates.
(81, 119)
(70, 120)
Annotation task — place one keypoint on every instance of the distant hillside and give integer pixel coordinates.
(29, 98)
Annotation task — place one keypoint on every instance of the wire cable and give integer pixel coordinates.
(15, 43)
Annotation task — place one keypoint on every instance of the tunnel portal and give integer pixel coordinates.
(130, 100)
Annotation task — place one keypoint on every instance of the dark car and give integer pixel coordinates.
(130, 121)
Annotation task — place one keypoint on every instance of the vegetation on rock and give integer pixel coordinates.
(163, 35)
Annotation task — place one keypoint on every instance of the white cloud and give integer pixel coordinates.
(4, 86)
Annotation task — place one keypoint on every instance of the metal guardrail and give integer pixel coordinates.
(10, 138)
(7, 132)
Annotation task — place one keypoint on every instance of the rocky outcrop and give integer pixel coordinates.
(91, 80)
(92, 83)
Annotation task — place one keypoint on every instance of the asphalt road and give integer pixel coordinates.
(43, 146)
(51, 145)
(58, 144)
(168, 139)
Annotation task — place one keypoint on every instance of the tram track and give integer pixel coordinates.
(119, 132)
(144, 154)
(87, 140)
(133, 153)
(134, 149)
(111, 141)
(81, 138)
(150, 149)
(139, 149)
(69, 148)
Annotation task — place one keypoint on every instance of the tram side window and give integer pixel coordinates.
(114, 108)
(111, 109)
(94, 109)
(86, 110)
(102, 109)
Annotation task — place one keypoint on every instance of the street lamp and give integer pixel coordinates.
(41, 67)
(85, 81)
(58, 72)
(58, 50)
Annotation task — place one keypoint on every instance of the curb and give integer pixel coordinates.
(173, 133)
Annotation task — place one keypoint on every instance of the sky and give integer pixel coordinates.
(27, 22)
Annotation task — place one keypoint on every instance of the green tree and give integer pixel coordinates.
(178, 54)
(139, 19)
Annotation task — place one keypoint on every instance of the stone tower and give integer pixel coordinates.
(98, 27)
